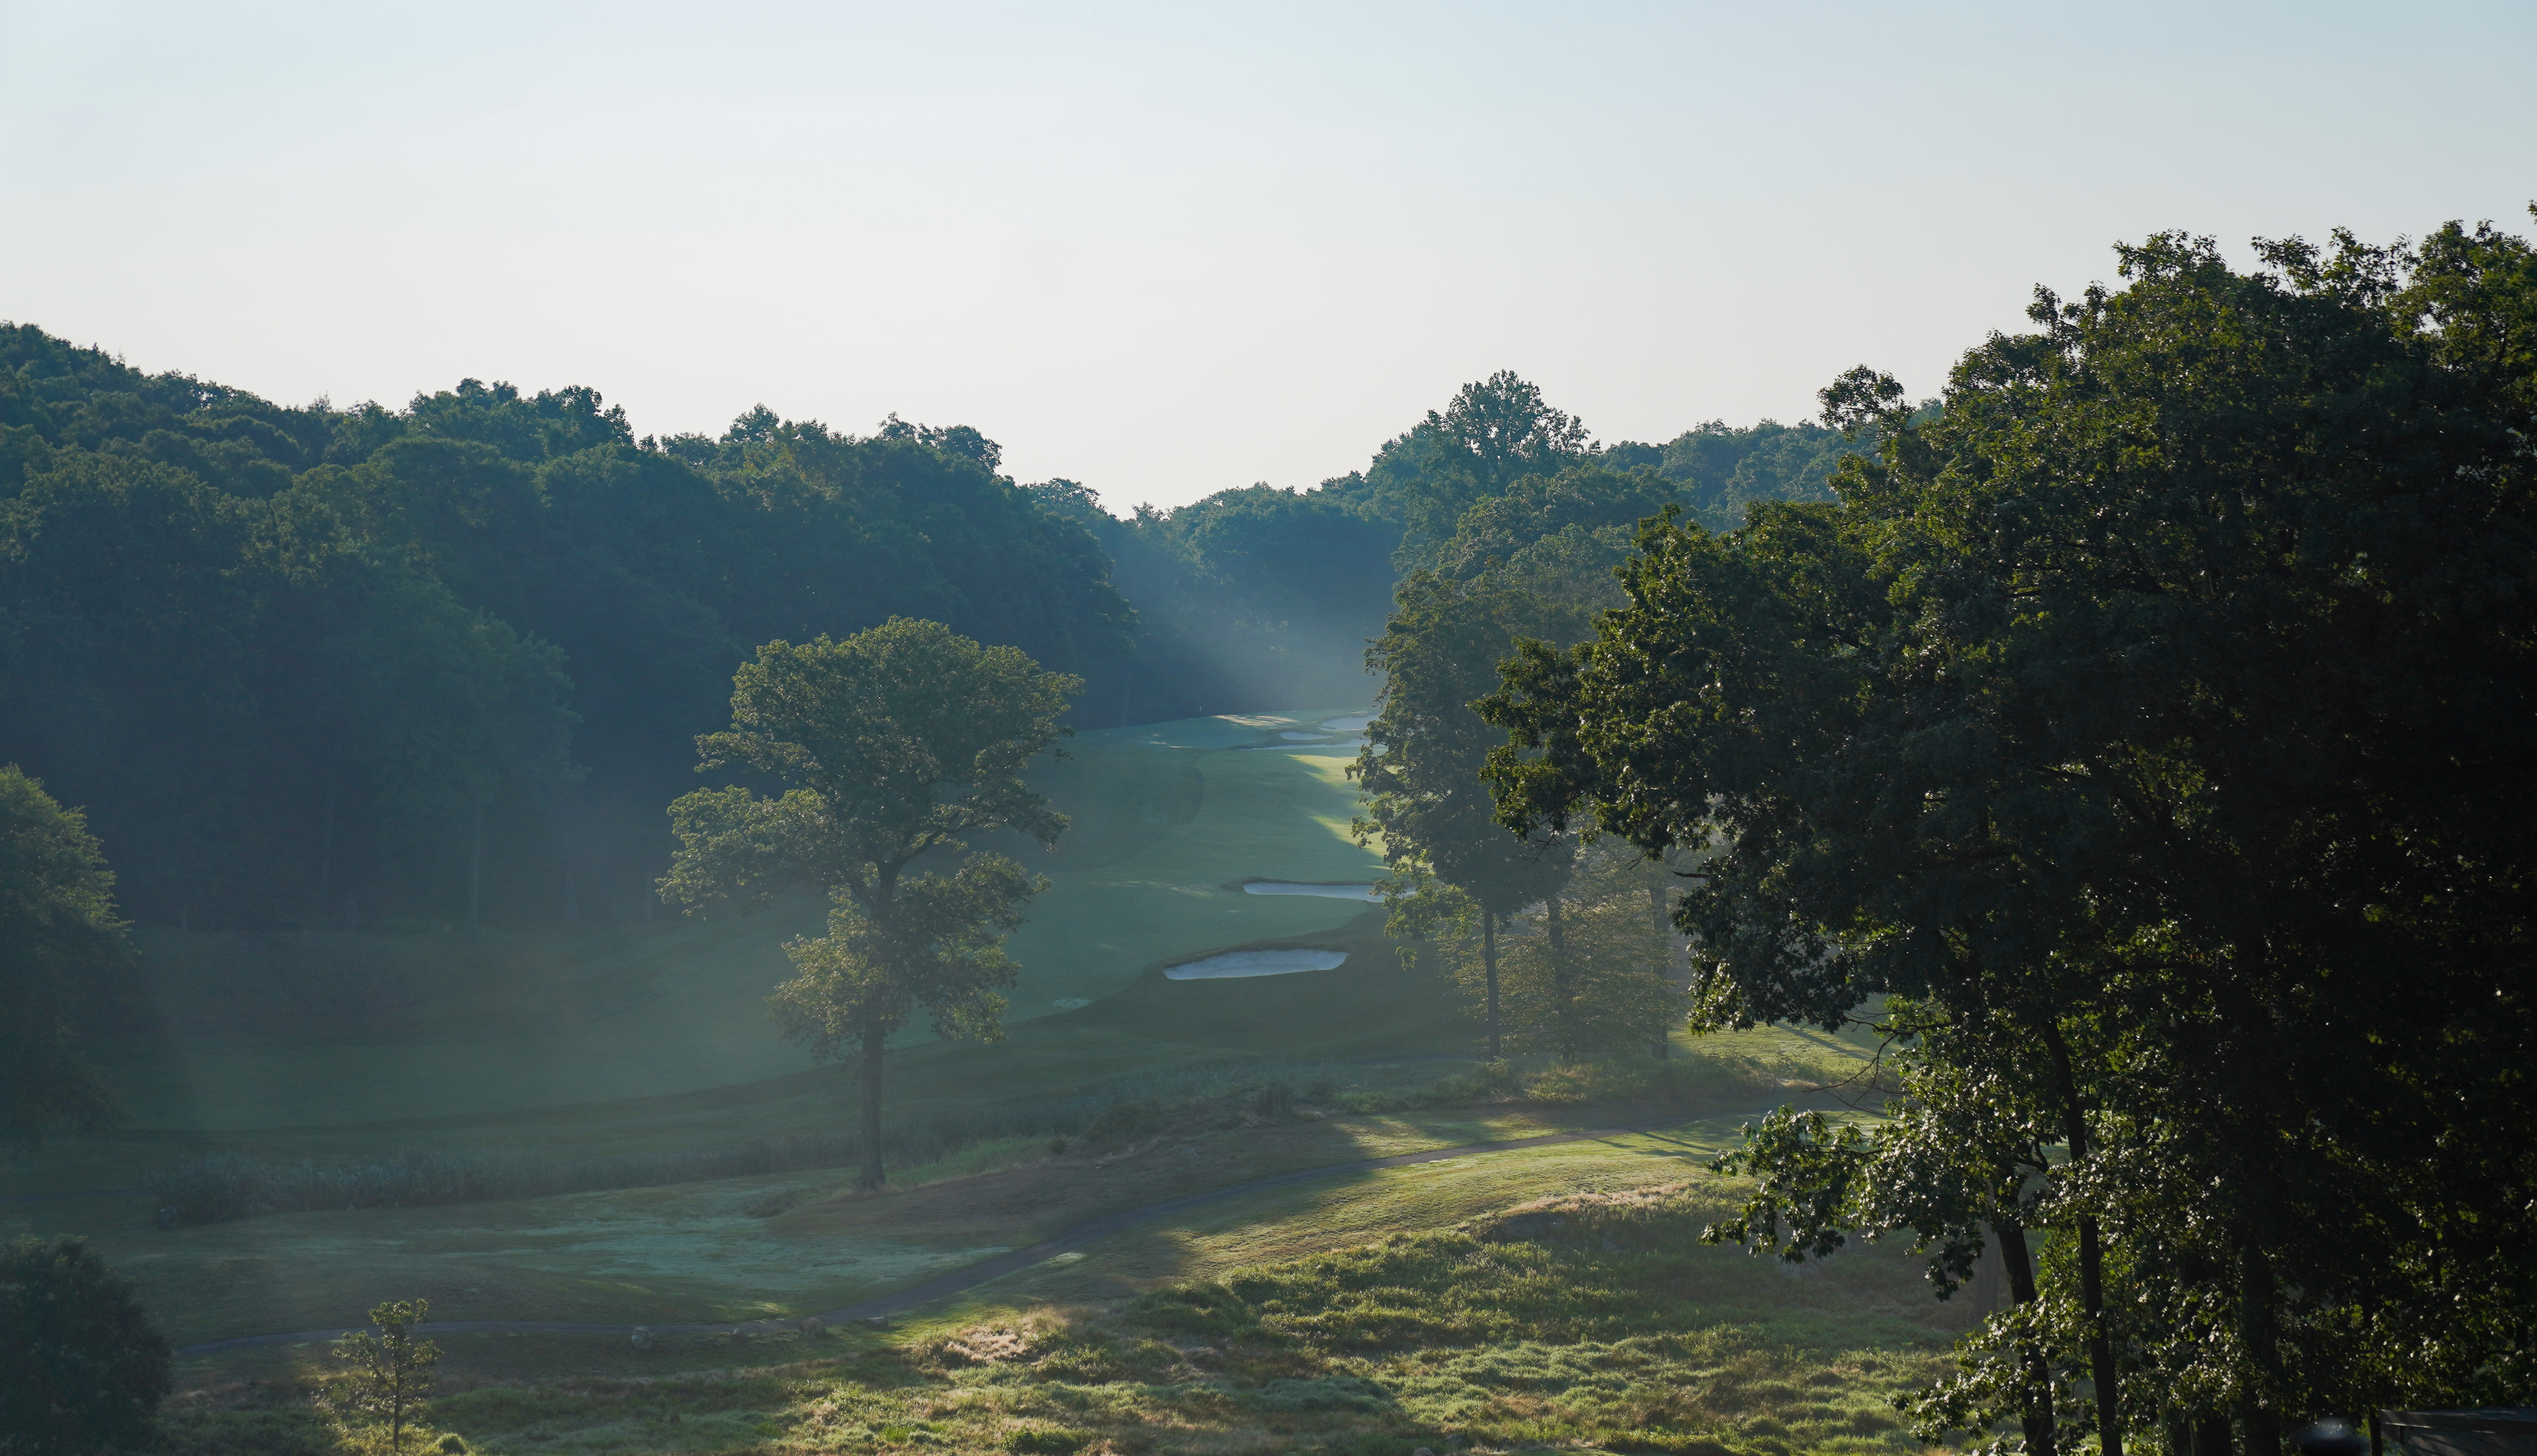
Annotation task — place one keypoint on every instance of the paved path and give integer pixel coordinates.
(960, 1281)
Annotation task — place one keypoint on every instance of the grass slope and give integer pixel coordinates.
(1538, 1299)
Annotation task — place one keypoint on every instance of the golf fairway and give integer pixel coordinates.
(1167, 820)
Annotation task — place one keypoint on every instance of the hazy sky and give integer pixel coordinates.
(1169, 249)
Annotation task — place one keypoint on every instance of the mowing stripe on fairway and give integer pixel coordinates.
(960, 1281)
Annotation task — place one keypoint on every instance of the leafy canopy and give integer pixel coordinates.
(82, 1371)
(62, 952)
(898, 742)
(2151, 721)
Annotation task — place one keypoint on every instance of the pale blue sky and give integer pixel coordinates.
(1167, 249)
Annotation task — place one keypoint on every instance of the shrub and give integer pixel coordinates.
(81, 1368)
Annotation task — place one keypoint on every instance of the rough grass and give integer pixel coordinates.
(795, 1243)
(1588, 1322)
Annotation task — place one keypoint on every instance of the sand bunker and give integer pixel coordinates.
(1237, 963)
(1364, 893)
(1304, 737)
(1352, 724)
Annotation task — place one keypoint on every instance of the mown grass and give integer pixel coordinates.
(223, 1186)
(283, 1028)
(1583, 1322)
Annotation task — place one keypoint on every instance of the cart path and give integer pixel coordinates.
(969, 1277)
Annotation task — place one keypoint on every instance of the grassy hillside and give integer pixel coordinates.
(1534, 1298)
(1367, 1309)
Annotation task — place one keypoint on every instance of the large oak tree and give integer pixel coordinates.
(899, 743)
(2153, 722)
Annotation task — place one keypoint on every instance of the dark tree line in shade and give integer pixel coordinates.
(329, 667)
(343, 668)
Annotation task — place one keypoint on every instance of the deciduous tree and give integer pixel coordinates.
(898, 742)
(62, 951)
(1420, 767)
(2155, 719)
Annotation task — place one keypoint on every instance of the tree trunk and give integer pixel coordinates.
(2034, 1402)
(1563, 992)
(1489, 961)
(2211, 1435)
(1665, 964)
(475, 869)
(2092, 1259)
(875, 1040)
(1126, 685)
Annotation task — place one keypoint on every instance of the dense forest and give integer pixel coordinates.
(352, 667)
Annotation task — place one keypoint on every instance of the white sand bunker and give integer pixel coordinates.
(1235, 963)
(1297, 887)
(1305, 737)
(1352, 724)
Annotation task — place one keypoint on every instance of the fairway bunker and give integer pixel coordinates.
(1246, 962)
(1355, 723)
(1359, 892)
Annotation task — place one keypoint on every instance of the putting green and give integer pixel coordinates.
(1169, 821)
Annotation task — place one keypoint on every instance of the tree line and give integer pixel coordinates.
(346, 668)
(338, 667)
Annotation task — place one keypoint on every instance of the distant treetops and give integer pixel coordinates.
(331, 667)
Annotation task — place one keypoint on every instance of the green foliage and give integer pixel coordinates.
(1723, 471)
(1258, 597)
(1420, 766)
(283, 655)
(1250, 599)
(1561, 536)
(324, 599)
(899, 742)
(1491, 434)
(81, 1368)
(62, 958)
(944, 951)
(393, 1373)
(1587, 970)
(2146, 721)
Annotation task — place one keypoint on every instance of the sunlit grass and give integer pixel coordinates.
(1587, 1320)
